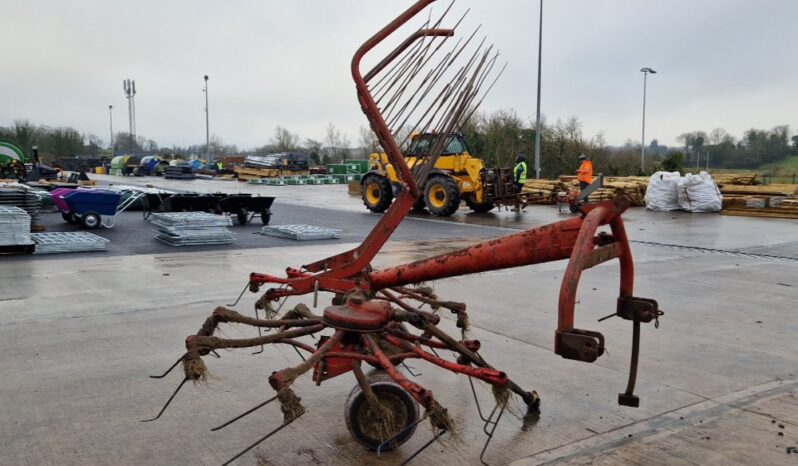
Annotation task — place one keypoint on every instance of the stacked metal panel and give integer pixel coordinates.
(61, 242)
(21, 196)
(301, 232)
(192, 228)
(14, 226)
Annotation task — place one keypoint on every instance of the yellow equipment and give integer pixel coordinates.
(457, 176)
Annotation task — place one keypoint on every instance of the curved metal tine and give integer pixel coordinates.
(397, 71)
(168, 370)
(436, 71)
(400, 433)
(475, 107)
(424, 447)
(299, 353)
(476, 400)
(260, 333)
(215, 354)
(410, 371)
(168, 401)
(445, 64)
(246, 287)
(394, 69)
(490, 419)
(490, 435)
(245, 413)
(278, 429)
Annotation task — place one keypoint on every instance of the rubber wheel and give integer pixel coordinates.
(420, 205)
(91, 220)
(243, 217)
(478, 207)
(392, 396)
(574, 208)
(441, 196)
(377, 195)
(265, 216)
(67, 217)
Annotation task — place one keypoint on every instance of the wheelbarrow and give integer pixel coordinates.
(91, 208)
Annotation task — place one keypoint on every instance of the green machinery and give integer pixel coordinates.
(12, 162)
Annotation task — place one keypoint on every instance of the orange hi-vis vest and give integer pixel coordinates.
(585, 172)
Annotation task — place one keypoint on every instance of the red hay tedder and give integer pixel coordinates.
(376, 316)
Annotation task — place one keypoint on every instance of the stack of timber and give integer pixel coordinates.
(774, 200)
(249, 173)
(746, 179)
(785, 190)
(355, 188)
(772, 207)
(545, 191)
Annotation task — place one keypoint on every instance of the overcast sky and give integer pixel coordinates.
(720, 63)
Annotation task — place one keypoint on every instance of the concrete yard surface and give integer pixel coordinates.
(718, 379)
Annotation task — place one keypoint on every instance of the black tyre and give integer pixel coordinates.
(377, 194)
(91, 220)
(574, 208)
(243, 217)
(265, 216)
(479, 207)
(361, 421)
(420, 205)
(441, 196)
(67, 217)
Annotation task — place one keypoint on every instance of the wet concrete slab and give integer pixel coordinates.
(82, 332)
(81, 335)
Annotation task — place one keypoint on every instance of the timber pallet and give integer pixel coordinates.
(772, 212)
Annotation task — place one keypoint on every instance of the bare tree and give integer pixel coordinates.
(717, 136)
(313, 148)
(25, 134)
(336, 143)
(368, 140)
(284, 140)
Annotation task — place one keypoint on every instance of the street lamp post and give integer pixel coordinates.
(207, 130)
(111, 124)
(645, 72)
(537, 120)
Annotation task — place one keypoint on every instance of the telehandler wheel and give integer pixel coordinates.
(477, 207)
(441, 196)
(367, 426)
(377, 194)
(420, 205)
(574, 208)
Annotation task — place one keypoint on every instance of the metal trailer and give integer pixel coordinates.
(91, 207)
(244, 207)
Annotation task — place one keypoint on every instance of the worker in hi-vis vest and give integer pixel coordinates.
(519, 172)
(585, 173)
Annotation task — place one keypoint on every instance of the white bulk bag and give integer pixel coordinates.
(662, 192)
(698, 193)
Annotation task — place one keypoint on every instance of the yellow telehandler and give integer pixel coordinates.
(457, 176)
